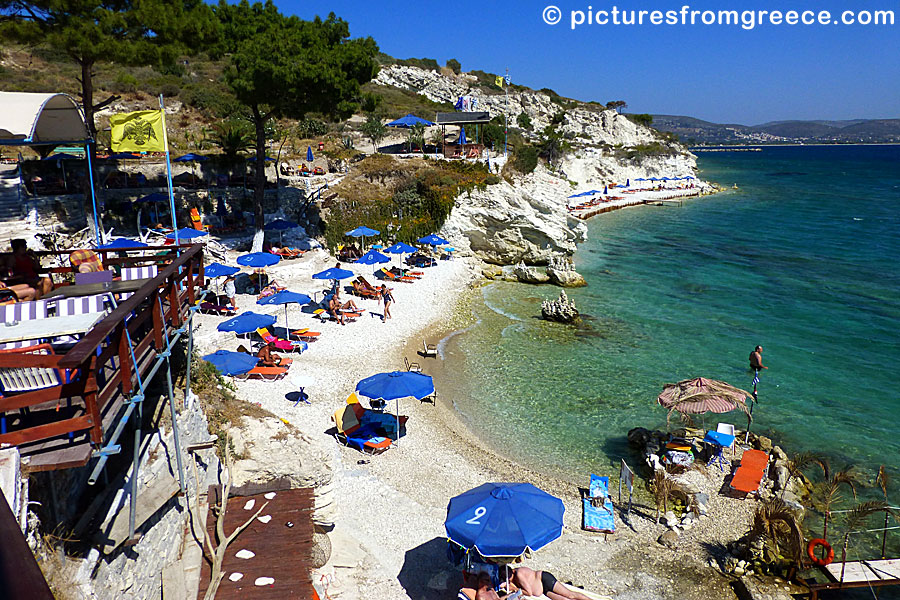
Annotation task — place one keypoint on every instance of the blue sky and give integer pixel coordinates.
(720, 73)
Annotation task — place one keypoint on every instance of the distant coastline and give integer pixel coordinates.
(759, 147)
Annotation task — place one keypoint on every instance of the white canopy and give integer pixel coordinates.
(33, 119)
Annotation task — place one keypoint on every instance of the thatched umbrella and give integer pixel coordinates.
(700, 395)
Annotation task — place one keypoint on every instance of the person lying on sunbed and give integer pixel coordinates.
(349, 305)
(267, 358)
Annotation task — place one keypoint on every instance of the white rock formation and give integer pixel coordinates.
(527, 221)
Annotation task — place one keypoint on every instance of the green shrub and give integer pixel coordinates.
(525, 159)
(524, 121)
(492, 180)
(454, 66)
(641, 119)
(429, 64)
(310, 128)
(124, 83)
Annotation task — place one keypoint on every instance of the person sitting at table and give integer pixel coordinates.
(20, 292)
(24, 265)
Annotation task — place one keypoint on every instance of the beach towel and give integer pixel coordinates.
(599, 518)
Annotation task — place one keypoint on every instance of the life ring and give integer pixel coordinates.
(811, 552)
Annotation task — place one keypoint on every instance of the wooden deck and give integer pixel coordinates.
(858, 574)
(282, 546)
(60, 427)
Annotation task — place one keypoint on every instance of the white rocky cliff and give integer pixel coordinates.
(524, 219)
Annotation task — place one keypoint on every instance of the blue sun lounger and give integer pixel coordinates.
(599, 518)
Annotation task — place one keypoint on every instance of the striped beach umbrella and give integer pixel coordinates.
(700, 395)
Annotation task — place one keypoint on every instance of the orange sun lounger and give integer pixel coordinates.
(754, 465)
(264, 373)
(306, 335)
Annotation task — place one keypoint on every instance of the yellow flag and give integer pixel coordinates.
(140, 131)
(499, 82)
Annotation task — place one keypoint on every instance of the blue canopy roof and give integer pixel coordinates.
(186, 233)
(333, 273)
(215, 269)
(432, 240)
(122, 243)
(62, 156)
(409, 120)
(372, 257)
(191, 157)
(231, 363)
(247, 322)
(285, 297)
(362, 231)
(258, 259)
(154, 197)
(401, 248)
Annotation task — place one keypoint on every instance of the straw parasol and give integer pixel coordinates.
(700, 395)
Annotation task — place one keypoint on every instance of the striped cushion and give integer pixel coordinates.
(22, 311)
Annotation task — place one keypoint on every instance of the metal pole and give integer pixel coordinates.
(132, 504)
(190, 355)
(162, 112)
(90, 174)
(175, 437)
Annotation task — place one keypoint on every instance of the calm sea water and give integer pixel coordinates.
(802, 259)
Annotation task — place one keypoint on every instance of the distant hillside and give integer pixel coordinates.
(698, 132)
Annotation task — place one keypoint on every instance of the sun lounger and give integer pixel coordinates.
(391, 277)
(286, 345)
(754, 465)
(366, 430)
(264, 373)
(598, 518)
(366, 285)
(211, 308)
(429, 349)
(414, 367)
(306, 335)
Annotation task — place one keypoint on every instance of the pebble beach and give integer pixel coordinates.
(388, 510)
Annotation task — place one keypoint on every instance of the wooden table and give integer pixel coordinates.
(50, 327)
(92, 289)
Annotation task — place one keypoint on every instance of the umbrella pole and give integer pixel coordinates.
(398, 421)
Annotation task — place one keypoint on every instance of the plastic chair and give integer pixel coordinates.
(729, 429)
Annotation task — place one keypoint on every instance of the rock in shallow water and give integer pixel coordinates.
(560, 310)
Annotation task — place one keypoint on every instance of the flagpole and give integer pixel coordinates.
(506, 115)
(162, 112)
(90, 173)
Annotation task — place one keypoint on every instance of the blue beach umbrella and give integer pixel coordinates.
(432, 240)
(396, 385)
(309, 154)
(246, 322)
(120, 243)
(640, 179)
(280, 225)
(268, 159)
(124, 156)
(285, 297)
(362, 231)
(258, 260)
(462, 136)
(215, 269)
(333, 273)
(504, 519)
(409, 120)
(191, 157)
(153, 198)
(372, 257)
(187, 234)
(61, 156)
(605, 190)
(231, 363)
(627, 183)
(401, 248)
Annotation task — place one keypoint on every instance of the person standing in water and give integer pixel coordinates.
(756, 359)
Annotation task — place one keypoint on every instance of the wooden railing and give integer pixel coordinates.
(100, 368)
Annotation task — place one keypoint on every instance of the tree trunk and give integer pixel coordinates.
(259, 193)
(87, 100)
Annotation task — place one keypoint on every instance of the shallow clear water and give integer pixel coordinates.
(802, 259)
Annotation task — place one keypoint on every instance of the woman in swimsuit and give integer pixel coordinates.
(387, 298)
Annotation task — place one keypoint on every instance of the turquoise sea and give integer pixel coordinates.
(802, 259)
